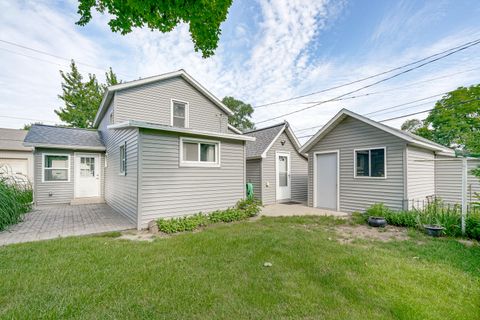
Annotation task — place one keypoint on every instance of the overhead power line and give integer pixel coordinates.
(461, 47)
(51, 55)
(374, 83)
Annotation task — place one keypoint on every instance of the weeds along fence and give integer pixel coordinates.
(437, 205)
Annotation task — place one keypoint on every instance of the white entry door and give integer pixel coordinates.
(87, 175)
(284, 187)
(326, 180)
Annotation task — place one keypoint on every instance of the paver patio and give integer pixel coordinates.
(63, 221)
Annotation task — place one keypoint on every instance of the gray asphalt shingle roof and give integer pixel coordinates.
(50, 135)
(263, 137)
(12, 139)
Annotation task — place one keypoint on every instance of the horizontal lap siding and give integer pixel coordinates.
(420, 173)
(168, 190)
(121, 190)
(298, 174)
(254, 176)
(448, 179)
(152, 103)
(62, 192)
(357, 194)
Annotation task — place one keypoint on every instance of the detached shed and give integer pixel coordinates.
(274, 165)
(355, 162)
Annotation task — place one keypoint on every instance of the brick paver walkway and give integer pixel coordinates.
(65, 220)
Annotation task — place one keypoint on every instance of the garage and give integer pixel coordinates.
(15, 158)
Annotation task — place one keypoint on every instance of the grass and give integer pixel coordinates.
(219, 274)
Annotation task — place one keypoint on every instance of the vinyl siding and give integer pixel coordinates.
(152, 103)
(448, 179)
(298, 174)
(360, 193)
(420, 174)
(120, 190)
(62, 192)
(168, 190)
(254, 176)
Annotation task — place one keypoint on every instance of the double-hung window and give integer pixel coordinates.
(56, 167)
(179, 114)
(123, 159)
(370, 163)
(199, 153)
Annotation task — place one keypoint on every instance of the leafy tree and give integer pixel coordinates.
(203, 16)
(27, 126)
(243, 113)
(412, 125)
(81, 98)
(455, 120)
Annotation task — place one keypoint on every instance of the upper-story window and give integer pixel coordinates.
(179, 114)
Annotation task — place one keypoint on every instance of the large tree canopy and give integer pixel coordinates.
(203, 16)
(81, 98)
(243, 113)
(454, 121)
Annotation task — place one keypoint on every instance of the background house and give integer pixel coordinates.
(355, 162)
(14, 156)
(162, 148)
(275, 167)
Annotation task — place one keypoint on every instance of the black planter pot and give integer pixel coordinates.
(377, 222)
(434, 231)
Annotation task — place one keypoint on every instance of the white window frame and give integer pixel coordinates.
(199, 163)
(187, 111)
(369, 149)
(124, 172)
(43, 167)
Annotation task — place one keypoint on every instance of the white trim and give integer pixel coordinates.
(43, 167)
(121, 162)
(135, 83)
(369, 163)
(234, 129)
(315, 154)
(154, 126)
(289, 173)
(76, 172)
(203, 164)
(344, 112)
(187, 112)
(264, 153)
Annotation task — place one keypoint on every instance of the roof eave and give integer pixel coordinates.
(61, 146)
(145, 125)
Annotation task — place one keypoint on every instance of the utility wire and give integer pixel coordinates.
(373, 84)
(466, 45)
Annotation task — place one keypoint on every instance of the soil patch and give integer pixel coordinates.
(348, 233)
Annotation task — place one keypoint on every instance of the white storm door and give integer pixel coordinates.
(87, 175)
(284, 188)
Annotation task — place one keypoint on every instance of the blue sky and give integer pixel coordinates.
(269, 50)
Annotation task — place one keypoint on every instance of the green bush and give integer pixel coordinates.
(434, 213)
(244, 209)
(15, 200)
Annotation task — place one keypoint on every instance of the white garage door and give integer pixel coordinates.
(18, 166)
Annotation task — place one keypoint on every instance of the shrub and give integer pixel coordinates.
(15, 200)
(244, 209)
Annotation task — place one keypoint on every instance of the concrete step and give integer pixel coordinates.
(87, 200)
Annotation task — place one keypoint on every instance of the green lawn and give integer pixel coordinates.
(219, 274)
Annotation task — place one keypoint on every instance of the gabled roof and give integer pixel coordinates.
(135, 83)
(12, 139)
(408, 137)
(266, 137)
(162, 127)
(45, 136)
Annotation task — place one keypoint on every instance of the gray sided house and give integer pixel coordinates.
(354, 162)
(275, 167)
(165, 149)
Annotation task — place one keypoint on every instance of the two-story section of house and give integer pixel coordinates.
(168, 151)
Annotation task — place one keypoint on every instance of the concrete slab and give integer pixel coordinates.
(297, 209)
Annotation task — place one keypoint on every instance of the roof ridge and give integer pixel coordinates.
(65, 127)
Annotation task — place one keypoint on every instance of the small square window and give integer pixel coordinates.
(199, 153)
(56, 167)
(370, 163)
